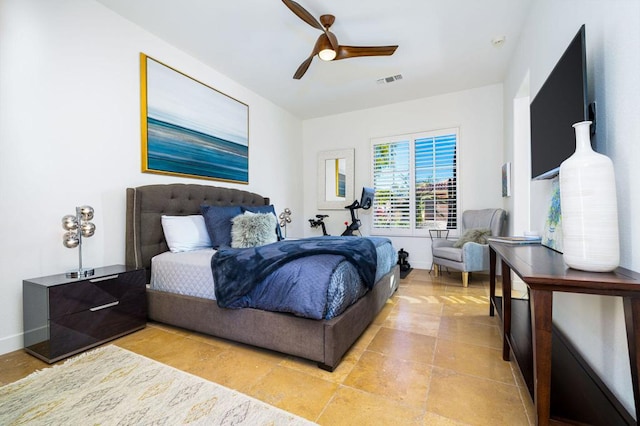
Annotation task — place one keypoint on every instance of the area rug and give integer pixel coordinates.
(113, 386)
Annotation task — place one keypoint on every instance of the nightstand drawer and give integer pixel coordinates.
(92, 293)
(89, 328)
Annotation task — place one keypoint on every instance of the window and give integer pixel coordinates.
(415, 178)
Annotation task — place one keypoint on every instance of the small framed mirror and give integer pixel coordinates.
(335, 179)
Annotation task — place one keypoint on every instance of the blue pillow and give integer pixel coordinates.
(218, 222)
(265, 209)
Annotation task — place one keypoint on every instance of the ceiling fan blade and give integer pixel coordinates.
(327, 21)
(332, 39)
(303, 68)
(345, 52)
(305, 65)
(302, 13)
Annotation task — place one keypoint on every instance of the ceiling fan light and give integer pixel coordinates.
(324, 48)
(327, 54)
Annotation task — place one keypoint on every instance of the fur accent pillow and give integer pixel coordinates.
(253, 229)
(474, 235)
(265, 209)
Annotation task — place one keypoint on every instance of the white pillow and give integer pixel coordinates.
(185, 233)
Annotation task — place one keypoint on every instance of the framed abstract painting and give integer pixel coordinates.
(552, 236)
(190, 129)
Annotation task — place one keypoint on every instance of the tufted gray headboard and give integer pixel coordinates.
(146, 204)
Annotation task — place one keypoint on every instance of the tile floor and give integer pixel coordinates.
(431, 357)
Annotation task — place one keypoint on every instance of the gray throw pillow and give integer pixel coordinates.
(253, 229)
(474, 235)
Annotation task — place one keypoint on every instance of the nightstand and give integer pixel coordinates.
(64, 316)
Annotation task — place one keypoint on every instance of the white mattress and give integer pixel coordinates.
(188, 273)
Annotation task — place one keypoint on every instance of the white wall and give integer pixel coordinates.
(594, 324)
(70, 135)
(478, 114)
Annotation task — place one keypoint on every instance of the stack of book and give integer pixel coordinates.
(516, 240)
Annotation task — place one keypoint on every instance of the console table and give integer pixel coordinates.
(544, 271)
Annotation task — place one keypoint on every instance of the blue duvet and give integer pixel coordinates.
(314, 277)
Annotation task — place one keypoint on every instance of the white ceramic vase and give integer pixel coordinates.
(589, 207)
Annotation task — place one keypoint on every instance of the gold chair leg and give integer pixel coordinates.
(436, 270)
(465, 279)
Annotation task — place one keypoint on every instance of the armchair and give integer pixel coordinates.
(472, 256)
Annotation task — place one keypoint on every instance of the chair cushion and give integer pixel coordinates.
(450, 253)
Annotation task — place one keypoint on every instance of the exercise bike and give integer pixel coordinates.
(355, 222)
(319, 221)
(366, 200)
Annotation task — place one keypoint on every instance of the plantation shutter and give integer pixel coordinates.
(415, 178)
(391, 179)
(435, 182)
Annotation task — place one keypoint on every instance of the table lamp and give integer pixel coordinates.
(77, 227)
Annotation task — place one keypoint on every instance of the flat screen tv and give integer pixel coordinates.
(560, 102)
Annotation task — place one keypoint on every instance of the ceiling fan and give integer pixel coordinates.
(327, 47)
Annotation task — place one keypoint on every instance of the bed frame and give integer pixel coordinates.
(323, 341)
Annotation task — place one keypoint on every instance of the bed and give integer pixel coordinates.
(324, 341)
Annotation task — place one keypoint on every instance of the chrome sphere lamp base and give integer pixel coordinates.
(78, 226)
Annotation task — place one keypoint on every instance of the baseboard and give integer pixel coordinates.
(416, 264)
(11, 343)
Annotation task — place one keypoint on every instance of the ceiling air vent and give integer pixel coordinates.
(389, 79)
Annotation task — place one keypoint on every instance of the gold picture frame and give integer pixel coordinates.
(190, 129)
